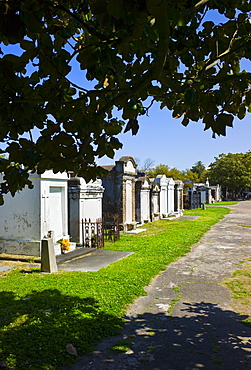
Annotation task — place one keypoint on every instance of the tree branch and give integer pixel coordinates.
(86, 27)
(226, 52)
(195, 7)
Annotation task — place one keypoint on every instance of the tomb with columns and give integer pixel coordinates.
(142, 200)
(85, 204)
(166, 195)
(119, 193)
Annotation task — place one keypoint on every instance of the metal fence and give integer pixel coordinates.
(94, 233)
(111, 227)
(192, 200)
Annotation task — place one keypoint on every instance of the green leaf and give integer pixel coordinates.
(191, 97)
(115, 8)
(26, 45)
(185, 121)
(241, 111)
(187, 58)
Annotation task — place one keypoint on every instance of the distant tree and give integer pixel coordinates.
(131, 51)
(198, 168)
(204, 176)
(175, 174)
(191, 176)
(137, 161)
(160, 169)
(147, 165)
(231, 171)
(164, 169)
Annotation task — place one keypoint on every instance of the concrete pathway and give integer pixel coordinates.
(80, 259)
(92, 260)
(186, 321)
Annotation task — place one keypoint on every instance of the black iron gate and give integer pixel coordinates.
(194, 199)
(111, 227)
(92, 233)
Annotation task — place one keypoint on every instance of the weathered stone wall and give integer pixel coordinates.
(27, 218)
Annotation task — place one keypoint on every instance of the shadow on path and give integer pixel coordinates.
(206, 337)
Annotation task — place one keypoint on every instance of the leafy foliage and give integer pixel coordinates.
(131, 51)
(198, 168)
(232, 171)
(184, 175)
(197, 173)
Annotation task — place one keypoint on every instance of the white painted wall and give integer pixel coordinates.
(85, 202)
(162, 180)
(129, 167)
(26, 218)
(128, 205)
(145, 205)
(170, 196)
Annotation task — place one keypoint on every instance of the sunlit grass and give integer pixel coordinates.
(240, 286)
(41, 313)
(224, 203)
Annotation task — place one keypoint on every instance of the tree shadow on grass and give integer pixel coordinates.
(37, 328)
(206, 337)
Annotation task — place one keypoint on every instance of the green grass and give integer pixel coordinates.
(123, 346)
(41, 313)
(224, 203)
(239, 285)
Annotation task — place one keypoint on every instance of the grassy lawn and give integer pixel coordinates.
(224, 203)
(240, 286)
(41, 313)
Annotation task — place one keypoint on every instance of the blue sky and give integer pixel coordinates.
(163, 139)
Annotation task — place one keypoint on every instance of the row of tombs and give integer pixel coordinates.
(58, 204)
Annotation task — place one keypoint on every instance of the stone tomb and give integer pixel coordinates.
(178, 197)
(166, 195)
(31, 214)
(119, 194)
(208, 194)
(155, 200)
(142, 200)
(85, 202)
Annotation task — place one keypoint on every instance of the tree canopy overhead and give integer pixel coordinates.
(132, 51)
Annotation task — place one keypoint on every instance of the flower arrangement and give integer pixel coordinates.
(64, 244)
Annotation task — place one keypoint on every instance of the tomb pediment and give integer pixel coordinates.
(127, 165)
(144, 182)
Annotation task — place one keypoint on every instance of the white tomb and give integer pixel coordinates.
(166, 195)
(28, 217)
(170, 196)
(142, 201)
(119, 194)
(178, 197)
(85, 202)
(155, 200)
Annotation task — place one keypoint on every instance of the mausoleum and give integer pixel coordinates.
(85, 203)
(166, 195)
(142, 200)
(119, 193)
(28, 217)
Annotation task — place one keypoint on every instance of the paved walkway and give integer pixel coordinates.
(186, 321)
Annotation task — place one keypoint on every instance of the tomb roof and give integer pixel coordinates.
(108, 167)
(127, 158)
